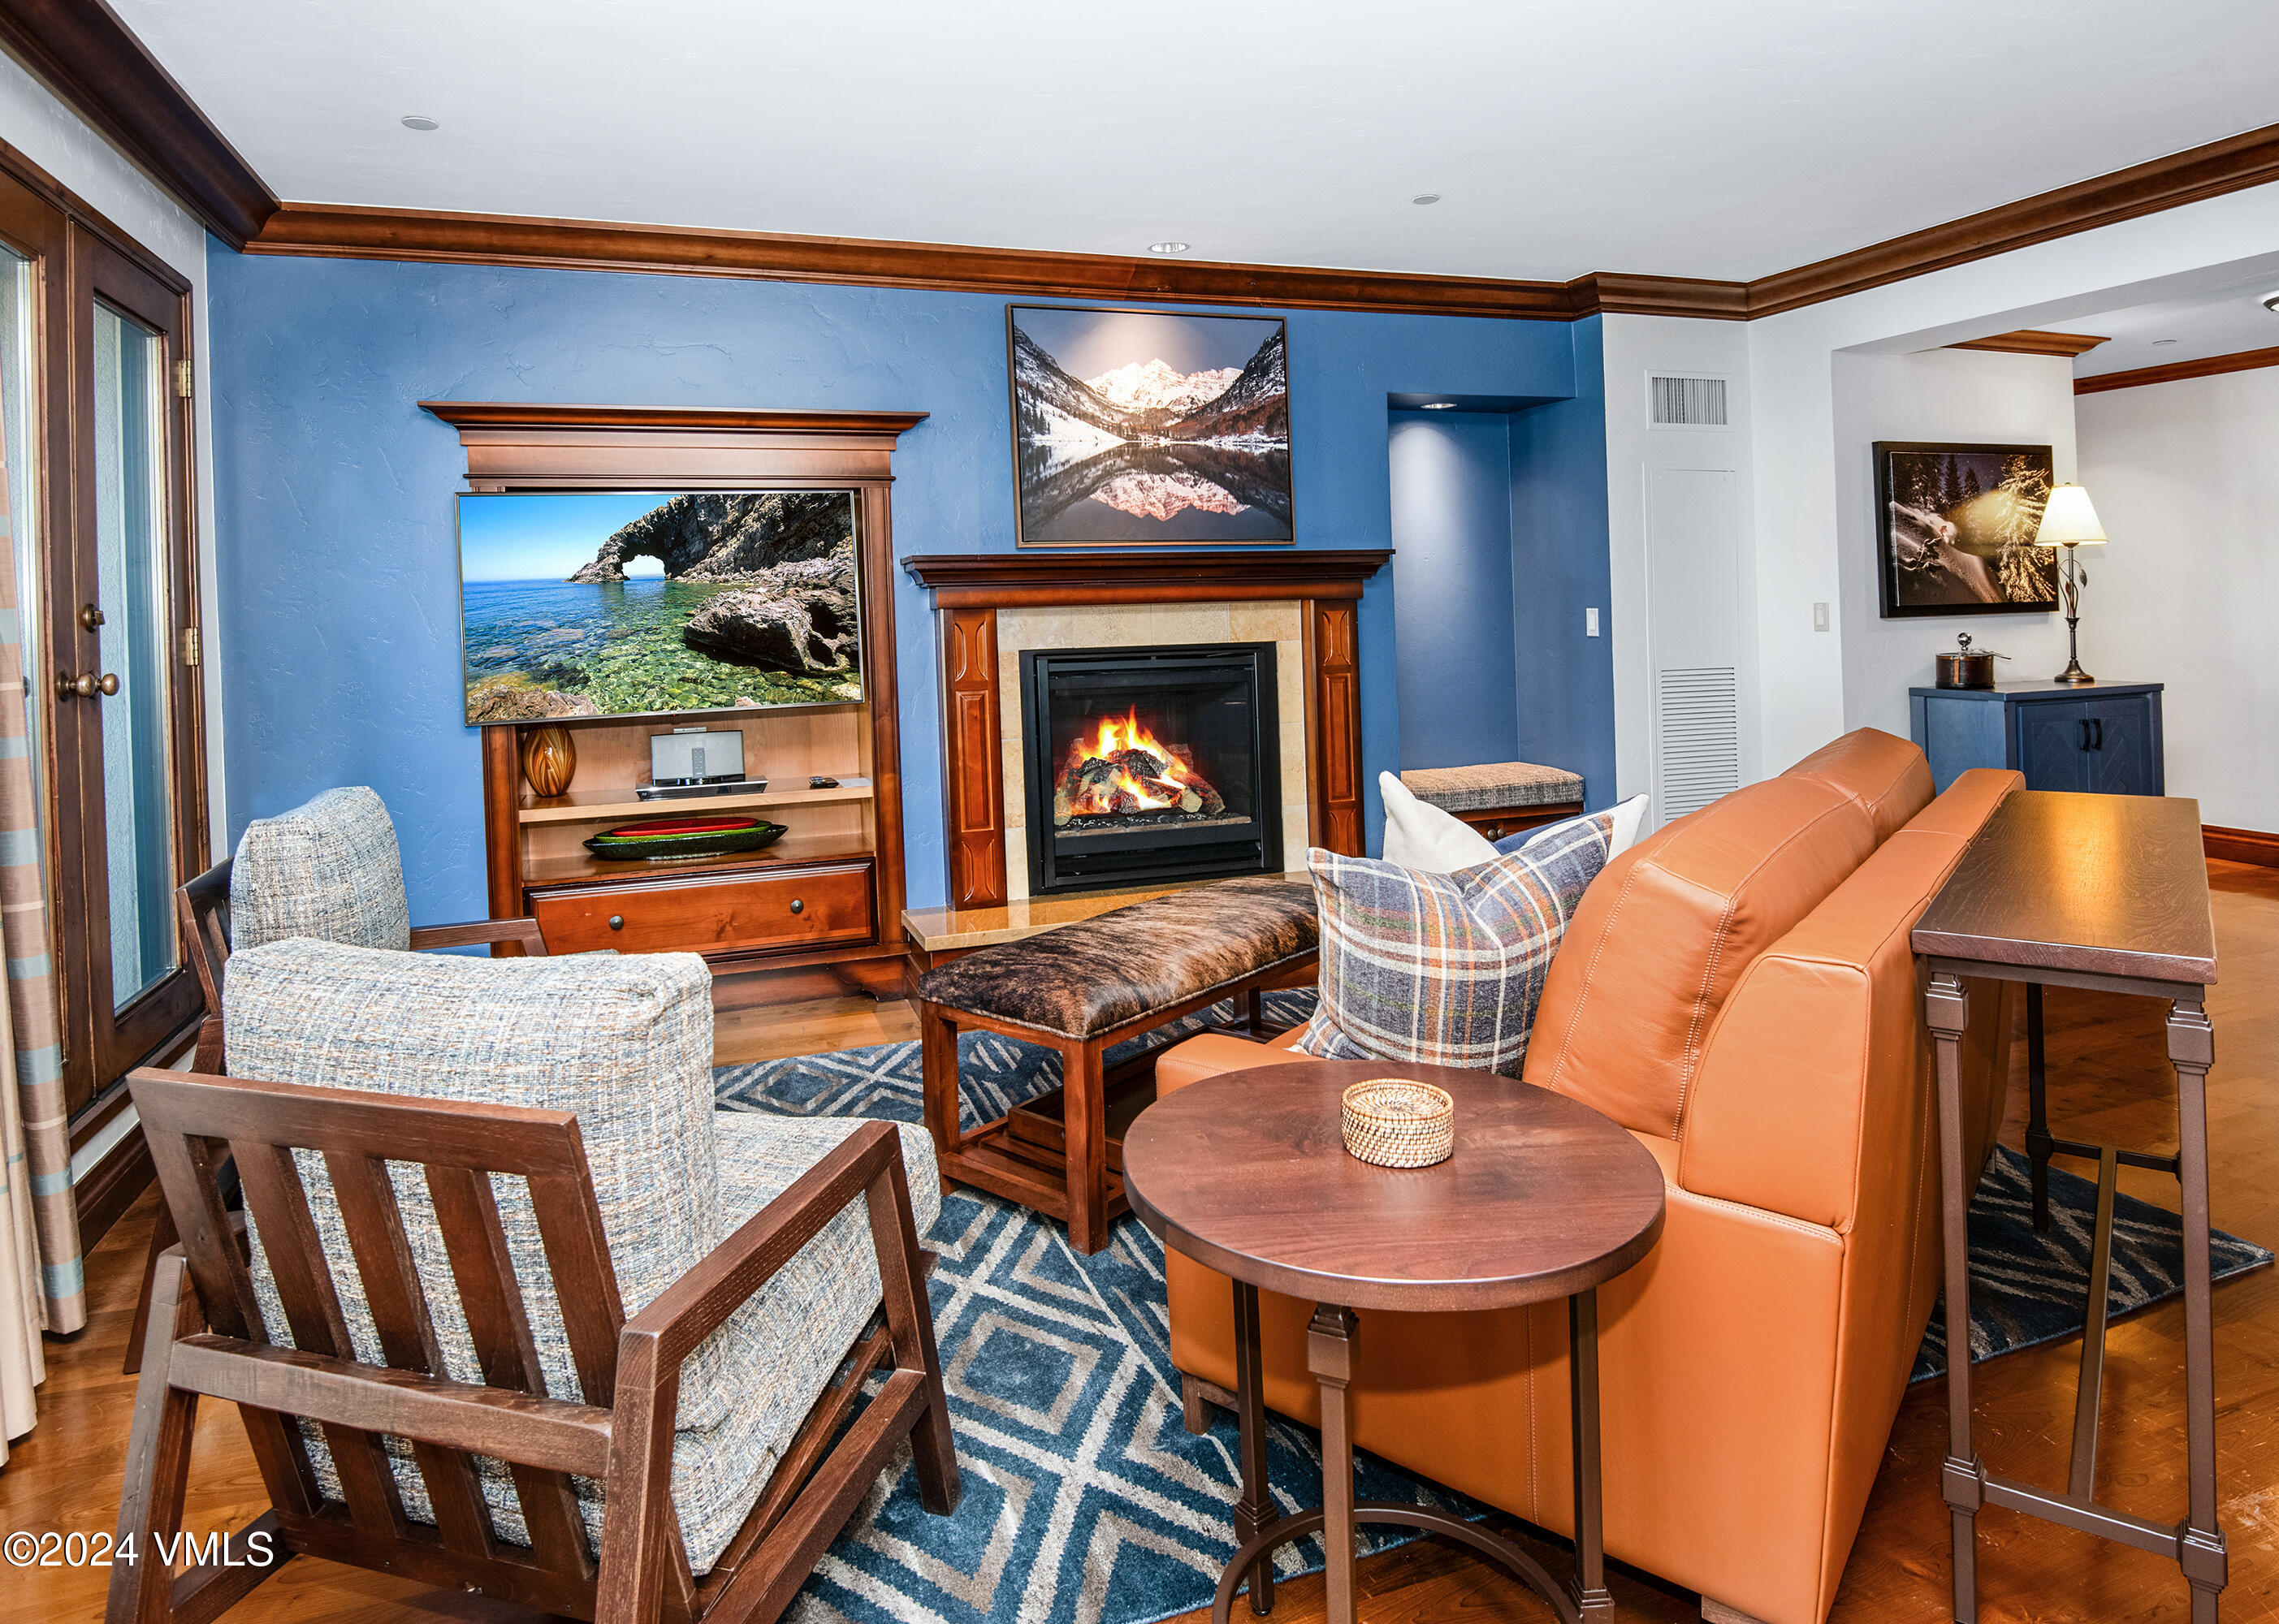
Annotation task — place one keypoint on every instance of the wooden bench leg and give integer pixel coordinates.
(937, 1068)
(1084, 1122)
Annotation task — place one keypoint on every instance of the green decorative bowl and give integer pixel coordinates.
(679, 839)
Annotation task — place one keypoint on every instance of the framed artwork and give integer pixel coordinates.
(1133, 427)
(1956, 527)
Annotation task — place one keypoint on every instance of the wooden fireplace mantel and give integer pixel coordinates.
(969, 588)
(1009, 580)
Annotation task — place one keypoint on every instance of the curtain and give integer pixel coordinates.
(39, 1236)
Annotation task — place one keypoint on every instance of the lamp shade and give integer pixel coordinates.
(2068, 520)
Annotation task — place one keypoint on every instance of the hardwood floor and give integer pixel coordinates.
(2109, 1081)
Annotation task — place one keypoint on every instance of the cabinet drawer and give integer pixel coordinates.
(712, 913)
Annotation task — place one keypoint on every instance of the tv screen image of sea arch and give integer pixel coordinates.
(1142, 427)
(604, 603)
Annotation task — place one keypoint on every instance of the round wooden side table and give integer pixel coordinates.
(1544, 1197)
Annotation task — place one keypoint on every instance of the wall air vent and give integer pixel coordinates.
(1675, 401)
(1700, 738)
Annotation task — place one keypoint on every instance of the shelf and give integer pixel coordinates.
(602, 805)
(792, 851)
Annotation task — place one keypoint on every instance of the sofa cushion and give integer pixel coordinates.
(327, 869)
(1083, 979)
(1445, 969)
(1885, 774)
(625, 1043)
(1659, 942)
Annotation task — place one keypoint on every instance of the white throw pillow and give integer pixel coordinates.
(1630, 822)
(1420, 836)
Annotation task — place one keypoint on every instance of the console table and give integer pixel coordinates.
(2107, 893)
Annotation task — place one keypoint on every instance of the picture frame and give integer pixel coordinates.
(1954, 528)
(1147, 427)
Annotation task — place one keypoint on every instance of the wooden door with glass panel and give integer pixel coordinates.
(129, 779)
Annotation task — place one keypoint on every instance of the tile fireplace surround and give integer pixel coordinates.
(990, 606)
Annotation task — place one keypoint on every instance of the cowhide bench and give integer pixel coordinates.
(1082, 989)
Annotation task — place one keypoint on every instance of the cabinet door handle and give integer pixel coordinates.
(617, 921)
(2099, 723)
(798, 907)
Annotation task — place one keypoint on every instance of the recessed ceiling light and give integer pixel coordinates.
(2271, 301)
(419, 121)
(1425, 197)
(1167, 248)
(2159, 342)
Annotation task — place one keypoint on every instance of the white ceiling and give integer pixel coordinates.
(1659, 136)
(2223, 321)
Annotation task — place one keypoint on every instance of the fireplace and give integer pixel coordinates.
(1147, 765)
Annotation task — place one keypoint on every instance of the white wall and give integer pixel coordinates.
(52, 136)
(2183, 475)
(1800, 515)
(1634, 347)
(1955, 394)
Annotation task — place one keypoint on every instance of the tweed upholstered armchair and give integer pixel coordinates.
(517, 1309)
(328, 869)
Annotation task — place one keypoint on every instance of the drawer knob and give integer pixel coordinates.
(798, 907)
(617, 921)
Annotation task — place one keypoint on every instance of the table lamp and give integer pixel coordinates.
(2069, 522)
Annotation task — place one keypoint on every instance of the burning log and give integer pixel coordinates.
(1132, 780)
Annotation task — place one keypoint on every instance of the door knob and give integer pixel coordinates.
(90, 617)
(86, 685)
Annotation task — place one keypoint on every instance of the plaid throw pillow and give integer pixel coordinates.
(1445, 969)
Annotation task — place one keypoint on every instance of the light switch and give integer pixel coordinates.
(1820, 617)
(1590, 623)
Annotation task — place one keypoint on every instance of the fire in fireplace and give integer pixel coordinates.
(1150, 765)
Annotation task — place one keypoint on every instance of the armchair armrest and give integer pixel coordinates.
(697, 1304)
(481, 931)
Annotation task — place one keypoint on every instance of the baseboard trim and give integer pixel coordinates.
(2241, 845)
(110, 1187)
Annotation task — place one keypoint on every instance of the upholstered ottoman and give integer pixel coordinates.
(1498, 798)
(1082, 989)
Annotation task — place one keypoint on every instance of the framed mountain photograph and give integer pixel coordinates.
(1135, 426)
(1956, 527)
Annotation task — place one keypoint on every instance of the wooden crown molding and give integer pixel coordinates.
(521, 446)
(2034, 341)
(90, 58)
(2231, 165)
(511, 413)
(341, 232)
(2238, 361)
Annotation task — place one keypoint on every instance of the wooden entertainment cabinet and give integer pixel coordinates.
(823, 906)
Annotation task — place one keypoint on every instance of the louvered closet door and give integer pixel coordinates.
(1693, 587)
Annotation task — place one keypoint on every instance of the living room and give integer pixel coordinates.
(1408, 777)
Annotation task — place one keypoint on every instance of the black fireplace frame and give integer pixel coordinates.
(1211, 859)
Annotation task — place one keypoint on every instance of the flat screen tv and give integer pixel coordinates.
(629, 603)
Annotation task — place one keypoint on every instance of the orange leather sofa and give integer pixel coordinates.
(1737, 991)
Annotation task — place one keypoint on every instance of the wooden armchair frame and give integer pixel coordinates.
(201, 909)
(642, 1572)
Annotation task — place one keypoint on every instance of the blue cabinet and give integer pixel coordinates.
(2104, 738)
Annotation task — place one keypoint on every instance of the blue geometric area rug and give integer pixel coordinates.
(2028, 1288)
(1086, 1502)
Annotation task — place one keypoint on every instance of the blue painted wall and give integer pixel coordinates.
(1558, 568)
(335, 544)
(1458, 674)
